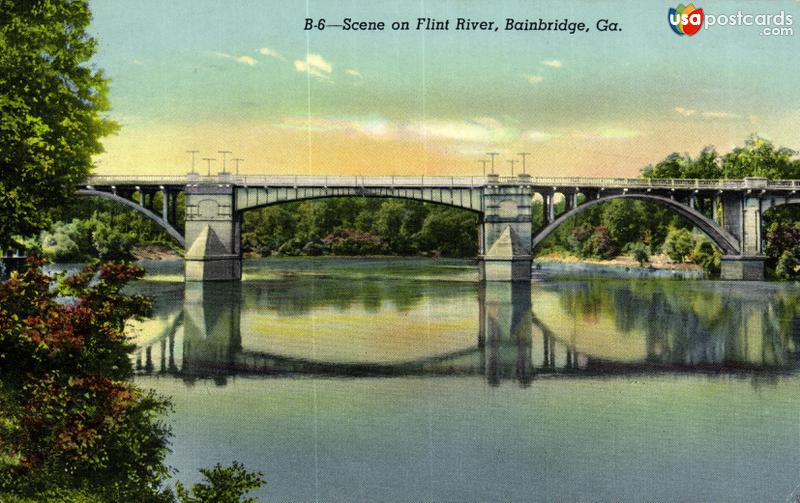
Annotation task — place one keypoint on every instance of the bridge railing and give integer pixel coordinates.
(358, 181)
(442, 182)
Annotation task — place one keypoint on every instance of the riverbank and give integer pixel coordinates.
(659, 267)
(155, 252)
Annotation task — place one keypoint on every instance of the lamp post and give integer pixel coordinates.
(209, 160)
(193, 152)
(224, 157)
(492, 156)
(523, 155)
(236, 161)
(484, 162)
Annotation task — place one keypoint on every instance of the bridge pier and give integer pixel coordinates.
(506, 234)
(741, 217)
(213, 229)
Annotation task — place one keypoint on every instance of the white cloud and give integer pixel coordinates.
(314, 65)
(482, 129)
(720, 115)
(375, 127)
(245, 60)
(537, 136)
(688, 112)
(272, 53)
(354, 73)
(534, 79)
(554, 63)
(609, 133)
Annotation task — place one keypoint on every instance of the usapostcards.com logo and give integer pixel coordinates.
(688, 19)
(685, 20)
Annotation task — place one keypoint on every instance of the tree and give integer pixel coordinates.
(625, 220)
(601, 244)
(449, 231)
(71, 417)
(759, 157)
(640, 252)
(51, 103)
(678, 245)
(707, 255)
(224, 485)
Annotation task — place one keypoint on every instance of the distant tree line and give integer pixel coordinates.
(361, 226)
(88, 228)
(641, 228)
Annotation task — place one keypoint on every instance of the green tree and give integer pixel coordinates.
(450, 232)
(640, 252)
(51, 104)
(706, 255)
(625, 220)
(229, 484)
(759, 157)
(679, 245)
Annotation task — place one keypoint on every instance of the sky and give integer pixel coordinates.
(245, 76)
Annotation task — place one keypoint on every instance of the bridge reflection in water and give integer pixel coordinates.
(567, 329)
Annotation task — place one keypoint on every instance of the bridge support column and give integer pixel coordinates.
(507, 328)
(741, 215)
(213, 246)
(506, 234)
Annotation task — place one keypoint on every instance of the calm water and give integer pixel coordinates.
(407, 380)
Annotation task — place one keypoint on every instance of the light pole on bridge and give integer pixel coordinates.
(492, 156)
(224, 157)
(193, 152)
(209, 160)
(237, 164)
(484, 162)
(523, 155)
(512, 162)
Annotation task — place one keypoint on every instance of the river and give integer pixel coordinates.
(407, 380)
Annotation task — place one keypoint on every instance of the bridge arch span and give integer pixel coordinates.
(723, 239)
(172, 231)
(462, 198)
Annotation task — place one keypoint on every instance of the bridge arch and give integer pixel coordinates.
(172, 231)
(723, 239)
(462, 198)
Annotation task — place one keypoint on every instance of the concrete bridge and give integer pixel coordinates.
(729, 212)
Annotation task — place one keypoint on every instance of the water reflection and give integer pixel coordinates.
(516, 332)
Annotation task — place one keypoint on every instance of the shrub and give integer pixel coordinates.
(601, 244)
(640, 252)
(788, 266)
(678, 245)
(224, 485)
(707, 255)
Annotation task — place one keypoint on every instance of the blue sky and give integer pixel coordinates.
(245, 76)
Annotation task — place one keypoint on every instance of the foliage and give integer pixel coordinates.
(360, 226)
(73, 420)
(706, 255)
(354, 242)
(640, 252)
(74, 427)
(227, 484)
(51, 101)
(601, 244)
(678, 245)
(93, 228)
(783, 248)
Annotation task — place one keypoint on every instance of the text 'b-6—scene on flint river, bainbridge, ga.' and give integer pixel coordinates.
(399, 251)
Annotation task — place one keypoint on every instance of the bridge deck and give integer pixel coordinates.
(441, 181)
